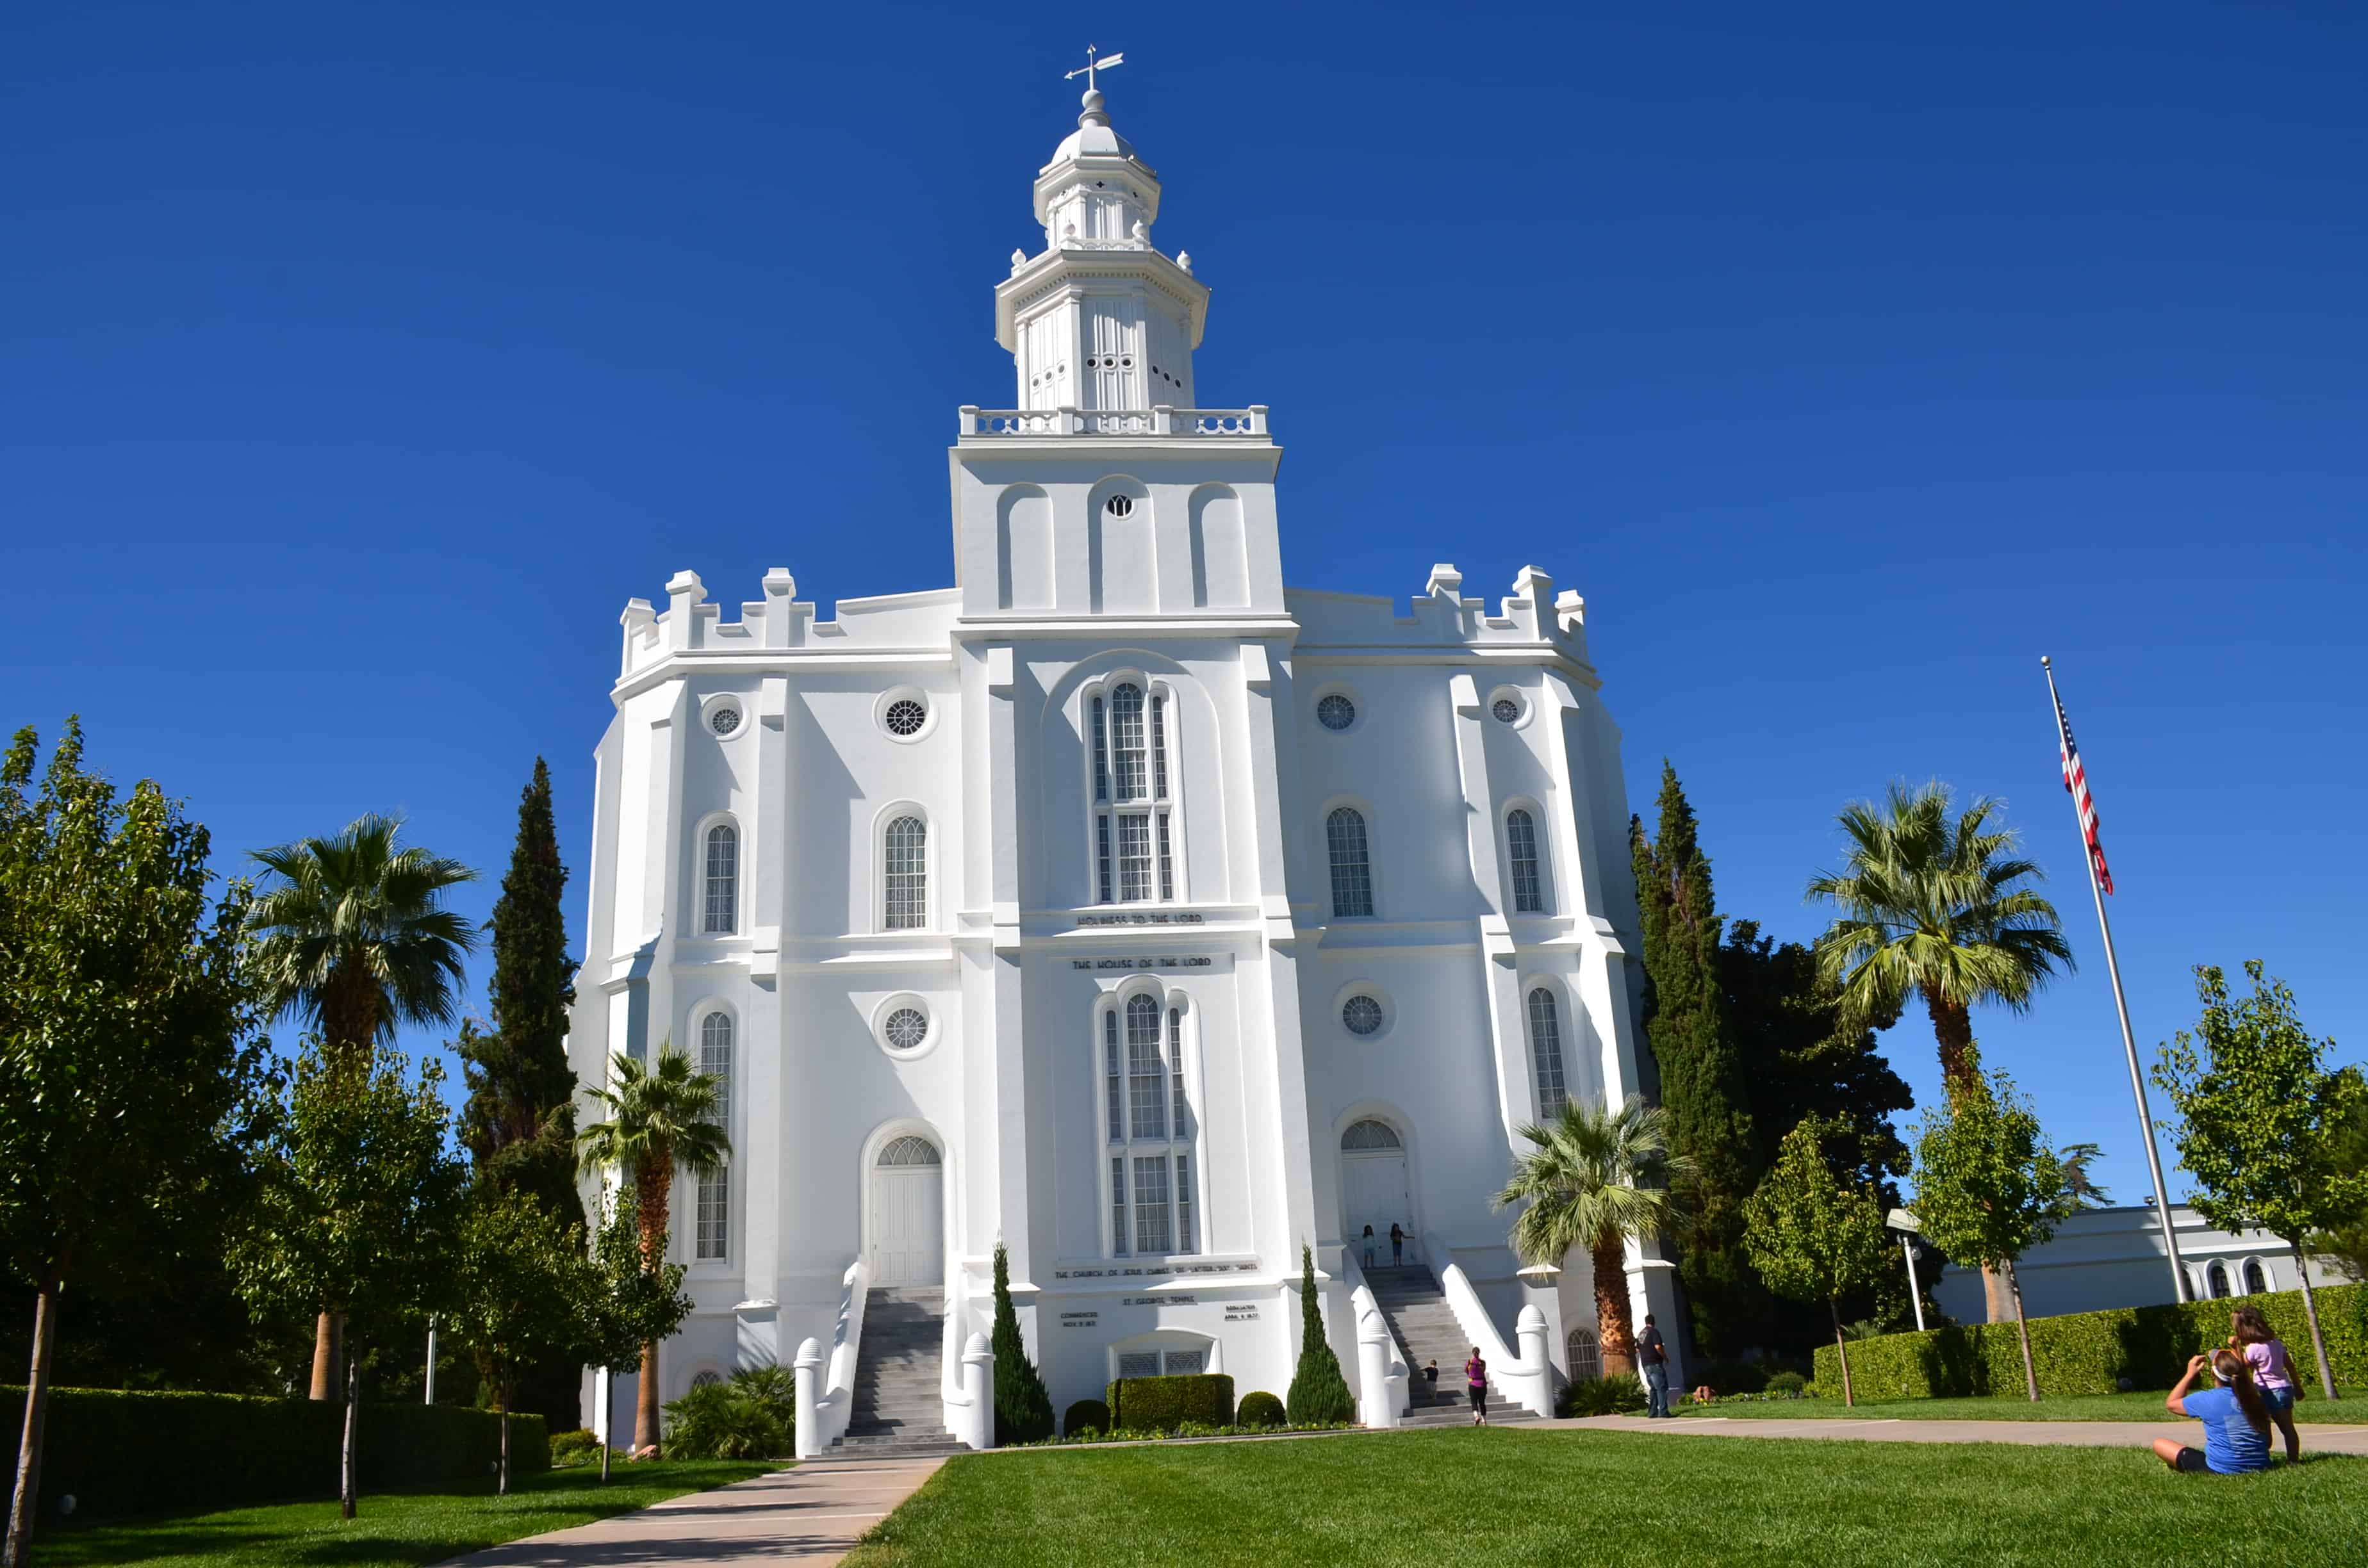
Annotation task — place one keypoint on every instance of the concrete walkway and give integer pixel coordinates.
(2315, 1439)
(812, 1514)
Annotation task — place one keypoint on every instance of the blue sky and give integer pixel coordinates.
(363, 360)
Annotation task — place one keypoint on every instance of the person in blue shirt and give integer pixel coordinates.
(2235, 1422)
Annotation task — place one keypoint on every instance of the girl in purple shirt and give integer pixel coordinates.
(2265, 1356)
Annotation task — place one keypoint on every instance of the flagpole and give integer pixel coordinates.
(2122, 1007)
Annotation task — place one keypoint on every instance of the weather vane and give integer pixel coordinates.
(1091, 65)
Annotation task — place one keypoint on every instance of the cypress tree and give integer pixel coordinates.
(1023, 1410)
(519, 1123)
(1700, 1072)
(1318, 1392)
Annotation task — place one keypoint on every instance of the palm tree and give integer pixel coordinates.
(658, 1117)
(350, 933)
(353, 934)
(1938, 907)
(1597, 1178)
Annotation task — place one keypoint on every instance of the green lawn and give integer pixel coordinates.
(1505, 1496)
(402, 1528)
(2351, 1410)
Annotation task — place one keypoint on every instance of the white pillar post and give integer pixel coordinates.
(978, 1387)
(807, 1372)
(1373, 1373)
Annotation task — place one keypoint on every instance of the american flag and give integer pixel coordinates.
(2076, 779)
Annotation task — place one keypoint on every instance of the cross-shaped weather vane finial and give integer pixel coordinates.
(1107, 63)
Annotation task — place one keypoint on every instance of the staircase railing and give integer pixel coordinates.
(1382, 1376)
(825, 1388)
(965, 1369)
(1529, 1379)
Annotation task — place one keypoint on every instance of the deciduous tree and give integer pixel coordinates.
(1987, 1185)
(361, 1206)
(2261, 1122)
(523, 1292)
(1813, 1237)
(634, 1304)
(127, 1044)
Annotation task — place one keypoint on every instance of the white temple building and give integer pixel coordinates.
(1117, 904)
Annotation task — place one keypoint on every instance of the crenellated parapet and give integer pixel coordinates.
(780, 623)
(1533, 616)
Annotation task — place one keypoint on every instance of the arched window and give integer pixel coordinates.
(1586, 1356)
(909, 1150)
(1134, 860)
(1546, 1049)
(722, 881)
(905, 855)
(2257, 1277)
(713, 1237)
(1150, 1131)
(1521, 848)
(2216, 1279)
(1353, 873)
(1370, 1134)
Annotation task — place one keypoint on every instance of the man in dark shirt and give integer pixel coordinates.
(1653, 1362)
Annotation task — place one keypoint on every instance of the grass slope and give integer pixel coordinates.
(2351, 1410)
(1504, 1495)
(400, 1528)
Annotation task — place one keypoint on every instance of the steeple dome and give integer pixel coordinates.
(1100, 319)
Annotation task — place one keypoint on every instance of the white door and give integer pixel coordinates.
(908, 1214)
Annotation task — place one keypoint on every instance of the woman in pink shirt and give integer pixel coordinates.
(2265, 1356)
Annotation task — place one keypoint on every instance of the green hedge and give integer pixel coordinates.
(136, 1452)
(1261, 1409)
(2092, 1352)
(1160, 1404)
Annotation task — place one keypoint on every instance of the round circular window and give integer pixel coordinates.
(1120, 506)
(905, 716)
(1506, 708)
(1335, 711)
(906, 1028)
(723, 720)
(1363, 1015)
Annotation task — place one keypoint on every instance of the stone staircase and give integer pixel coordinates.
(899, 1412)
(1425, 1327)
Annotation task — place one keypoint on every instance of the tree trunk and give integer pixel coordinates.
(1961, 1064)
(1998, 1298)
(324, 1356)
(645, 1408)
(2310, 1311)
(2022, 1332)
(502, 1487)
(1615, 1327)
(346, 1463)
(37, 1417)
(605, 1446)
(1850, 1399)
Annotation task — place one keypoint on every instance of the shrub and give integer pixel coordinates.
(1085, 1415)
(1729, 1377)
(1318, 1392)
(1259, 1409)
(1786, 1382)
(776, 1388)
(1023, 1406)
(2097, 1352)
(717, 1420)
(569, 1447)
(1161, 1405)
(1602, 1396)
(229, 1449)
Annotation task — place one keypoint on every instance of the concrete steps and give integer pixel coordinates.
(899, 1410)
(1425, 1326)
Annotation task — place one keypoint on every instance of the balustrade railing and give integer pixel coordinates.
(1161, 421)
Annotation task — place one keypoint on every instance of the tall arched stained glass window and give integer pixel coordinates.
(1546, 1049)
(1522, 849)
(905, 854)
(713, 1238)
(722, 882)
(1149, 1129)
(1353, 873)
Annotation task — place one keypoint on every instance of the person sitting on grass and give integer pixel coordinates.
(2265, 1355)
(2235, 1422)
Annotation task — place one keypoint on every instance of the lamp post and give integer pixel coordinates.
(1904, 1221)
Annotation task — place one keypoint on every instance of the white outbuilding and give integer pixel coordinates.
(1116, 904)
